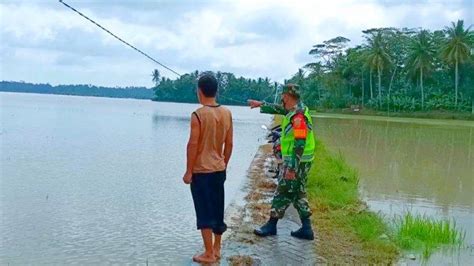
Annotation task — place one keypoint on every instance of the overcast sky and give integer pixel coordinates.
(42, 41)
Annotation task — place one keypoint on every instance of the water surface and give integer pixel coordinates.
(89, 180)
(423, 166)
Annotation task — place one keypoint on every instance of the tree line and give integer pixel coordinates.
(400, 70)
(80, 90)
(232, 90)
(393, 69)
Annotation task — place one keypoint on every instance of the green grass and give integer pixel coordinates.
(371, 238)
(416, 114)
(333, 195)
(346, 226)
(331, 181)
(425, 234)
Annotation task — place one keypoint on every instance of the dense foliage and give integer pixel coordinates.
(399, 70)
(232, 90)
(394, 69)
(82, 90)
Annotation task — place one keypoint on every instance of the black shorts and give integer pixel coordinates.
(208, 196)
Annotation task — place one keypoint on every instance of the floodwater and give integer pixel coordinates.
(417, 165)
(87, 180)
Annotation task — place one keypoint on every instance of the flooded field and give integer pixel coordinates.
(422, 166)
(96, 181)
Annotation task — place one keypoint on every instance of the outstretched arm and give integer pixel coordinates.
(268, 108)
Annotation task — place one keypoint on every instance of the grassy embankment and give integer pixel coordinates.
(350, 233)
(346, 226)
(416, 114)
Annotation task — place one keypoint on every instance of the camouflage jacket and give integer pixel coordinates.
(269, 108)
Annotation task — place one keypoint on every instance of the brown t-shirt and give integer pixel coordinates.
(215, 123)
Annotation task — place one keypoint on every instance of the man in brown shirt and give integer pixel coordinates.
(208, 153)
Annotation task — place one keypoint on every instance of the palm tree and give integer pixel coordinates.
(299, 76)
(457, 49)
(377, 57)
(156, 77)
(420, 58)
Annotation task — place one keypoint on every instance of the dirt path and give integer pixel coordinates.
(249, 210)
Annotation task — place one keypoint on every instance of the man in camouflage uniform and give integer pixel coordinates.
(297, 149)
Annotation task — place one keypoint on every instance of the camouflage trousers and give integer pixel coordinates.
(292, 191)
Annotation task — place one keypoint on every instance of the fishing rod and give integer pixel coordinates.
(120, 39)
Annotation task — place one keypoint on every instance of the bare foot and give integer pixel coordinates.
(217, 253)
(204, 258)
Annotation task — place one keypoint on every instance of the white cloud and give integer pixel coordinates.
(250, 38)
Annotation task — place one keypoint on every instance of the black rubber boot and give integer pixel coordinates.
(305, 232)
(268, 229)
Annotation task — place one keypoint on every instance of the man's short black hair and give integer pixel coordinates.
(207, 83)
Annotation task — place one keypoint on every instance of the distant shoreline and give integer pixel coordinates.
(446, 115)
(110, 97)
(78, 90)
(434, 114)
(76, 95)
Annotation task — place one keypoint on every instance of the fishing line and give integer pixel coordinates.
(140, 51)
(118, 38)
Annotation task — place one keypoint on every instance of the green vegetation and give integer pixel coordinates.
(79, 90)
(346, 226)
(395, 71)
(232, 90)
(343, 222)
(424, 234)
(414, 70)
(432, 114)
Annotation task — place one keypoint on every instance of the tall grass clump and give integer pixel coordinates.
(425, 234)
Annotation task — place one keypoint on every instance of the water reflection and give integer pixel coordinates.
(423, 167)
(98, 181)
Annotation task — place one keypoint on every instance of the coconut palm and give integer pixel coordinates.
(377, 57)
(156, 77)
(457, 49)
(299, 76)
(420, 58)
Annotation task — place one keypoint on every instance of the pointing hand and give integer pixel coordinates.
(254, 103)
